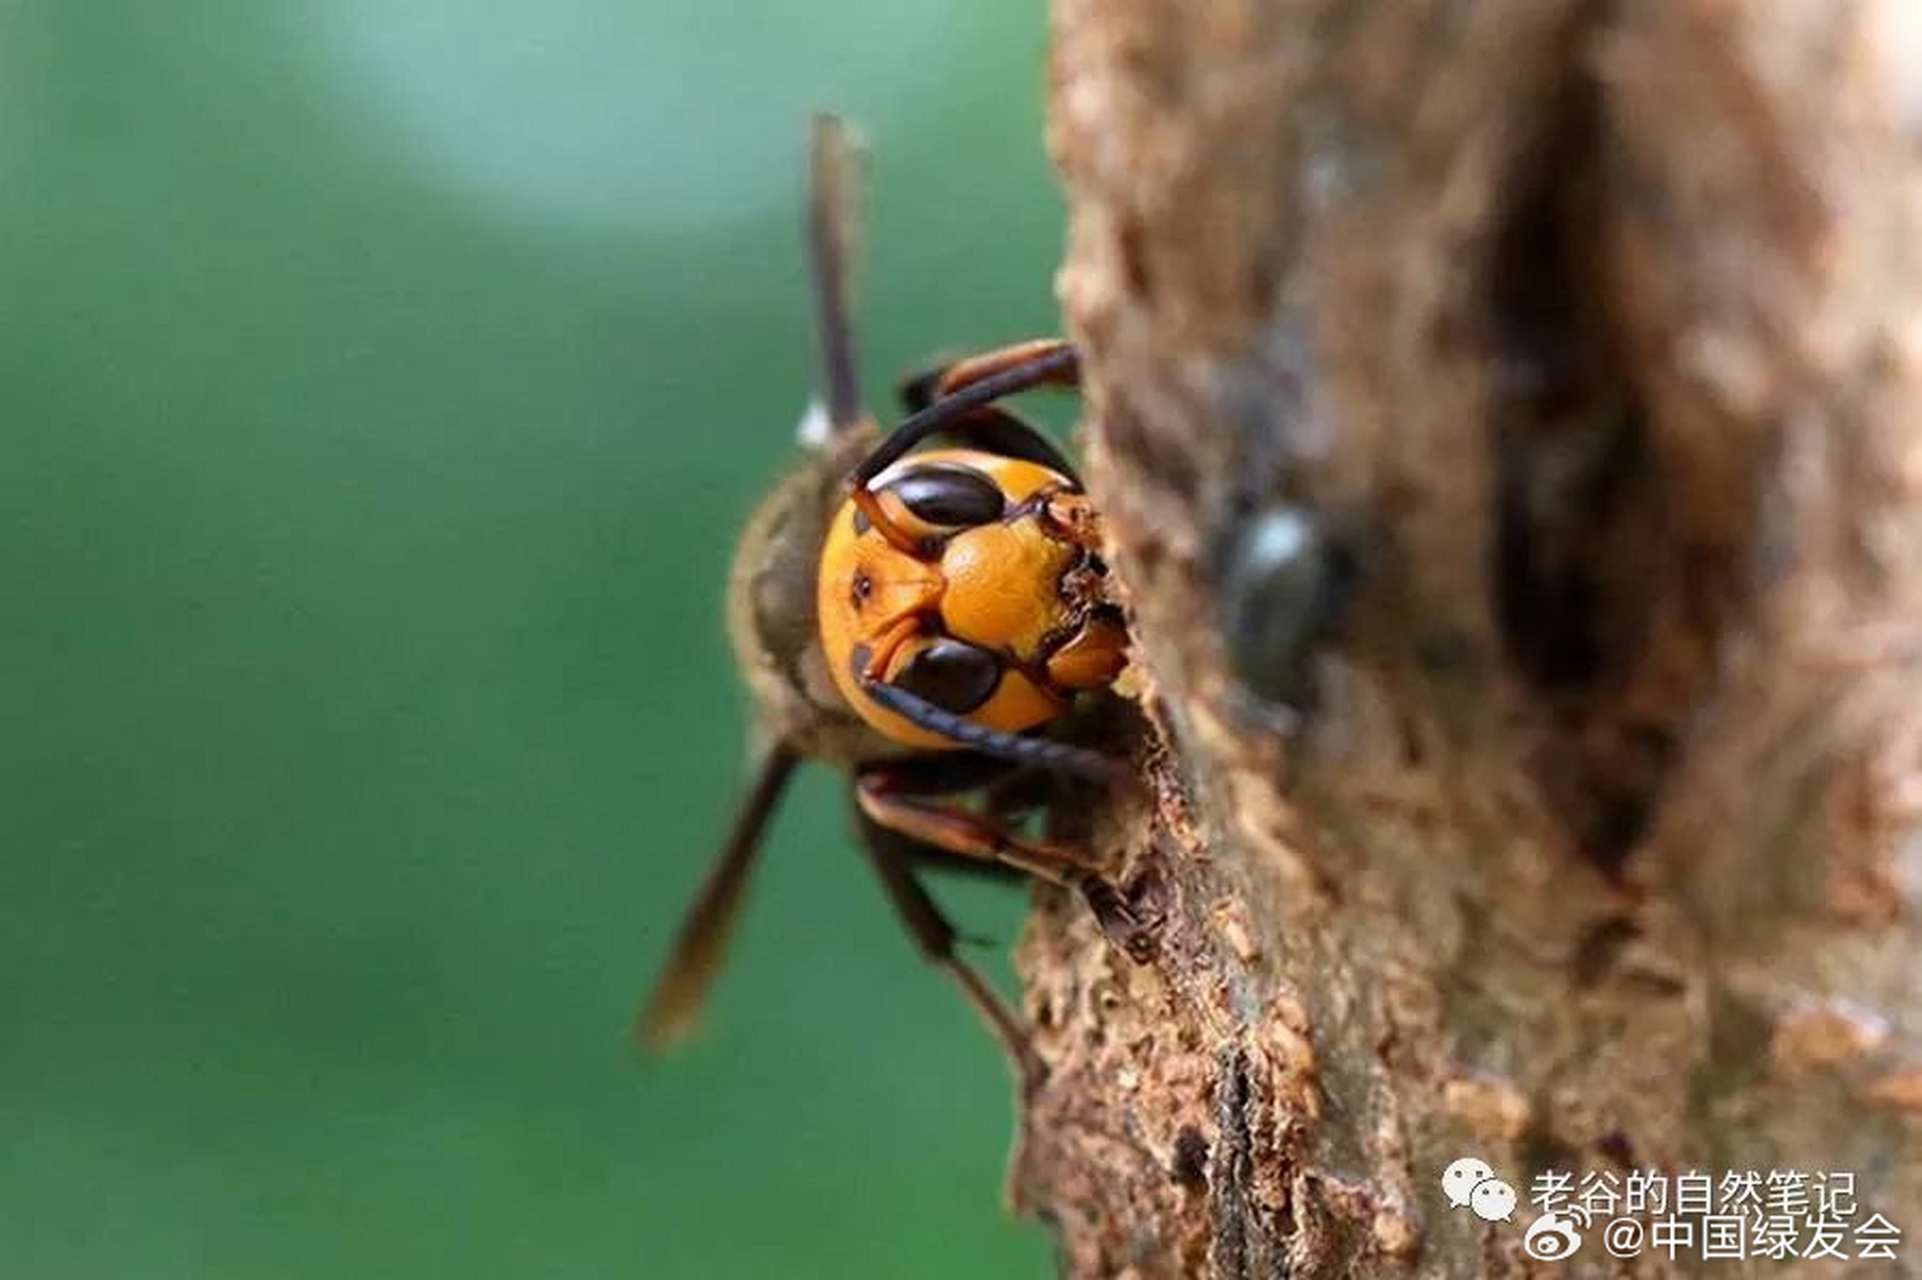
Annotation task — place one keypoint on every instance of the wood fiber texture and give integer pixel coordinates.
(1591, 336)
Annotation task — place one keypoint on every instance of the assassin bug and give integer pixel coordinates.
(913, 615)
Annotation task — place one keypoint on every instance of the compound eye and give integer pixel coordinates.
(952, 674)
(948, 495)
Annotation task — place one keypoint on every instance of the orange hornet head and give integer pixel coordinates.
(968, 580)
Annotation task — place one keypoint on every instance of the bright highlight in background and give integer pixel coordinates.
(598, 115)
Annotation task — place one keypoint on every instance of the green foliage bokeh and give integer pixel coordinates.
(382, 383)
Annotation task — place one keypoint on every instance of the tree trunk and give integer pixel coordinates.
(1558, 805)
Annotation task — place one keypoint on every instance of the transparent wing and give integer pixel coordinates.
(835, 180)
(674, 1006)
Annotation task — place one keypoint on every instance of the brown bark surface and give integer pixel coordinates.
(1589, 335)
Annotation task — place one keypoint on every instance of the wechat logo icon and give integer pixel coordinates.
(1471, 1184)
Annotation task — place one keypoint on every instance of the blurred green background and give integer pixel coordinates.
(382, 382)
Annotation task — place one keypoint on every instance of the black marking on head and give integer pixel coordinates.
(952, 675)
(949, 495)
(861, 522)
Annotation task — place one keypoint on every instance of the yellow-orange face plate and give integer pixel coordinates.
(996, 585)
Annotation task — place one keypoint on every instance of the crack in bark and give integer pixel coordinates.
(1234, 1217)
(1587, 332)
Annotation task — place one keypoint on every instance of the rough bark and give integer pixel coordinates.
(1588, 335)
